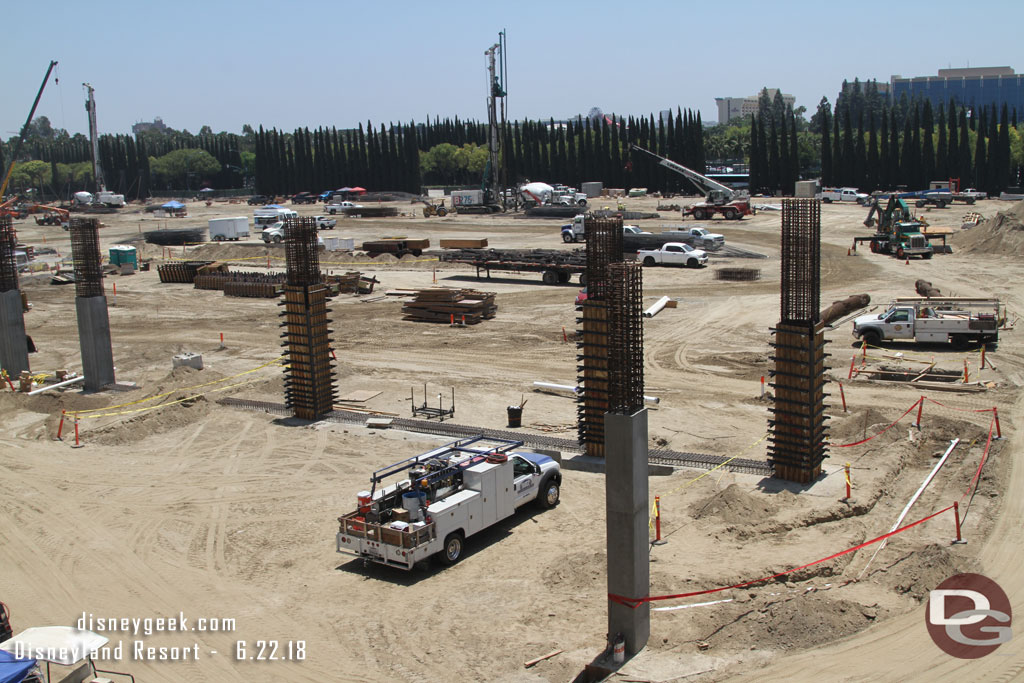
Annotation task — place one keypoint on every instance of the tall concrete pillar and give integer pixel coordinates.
(91, 305)
(13, 343)
(94, 340)
(629, 573)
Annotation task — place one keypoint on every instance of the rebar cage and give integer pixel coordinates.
(85, 255)
(8, 261)
(625, 338)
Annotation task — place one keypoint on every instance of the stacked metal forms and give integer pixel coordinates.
(797, 429)
(604, 247)
(625, 339)
(309, 376)
(184, 272)
(443, 305)
(86, 259)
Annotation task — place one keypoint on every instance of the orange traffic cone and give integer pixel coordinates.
(908, 261)
(847, 252)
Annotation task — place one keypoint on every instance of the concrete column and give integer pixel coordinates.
(94, 339)
(626, 495)
(13, 344)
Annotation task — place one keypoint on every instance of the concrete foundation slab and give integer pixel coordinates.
(94, 340)
(627, 502)
(13, 343)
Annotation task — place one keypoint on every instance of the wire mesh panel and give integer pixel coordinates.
(8, 262)
(625, 339)
(301, 251)
(801, 260)
(604, 246)
(85, 255)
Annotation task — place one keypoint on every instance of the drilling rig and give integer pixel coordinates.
(490, 198)
(90, 107)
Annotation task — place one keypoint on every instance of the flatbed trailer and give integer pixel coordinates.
(557, 266)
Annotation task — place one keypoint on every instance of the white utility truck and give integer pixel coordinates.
(673, 254)
(342, 207)
(960, 321)
(844, 194)
(272, 218)
(443, 497)
(699, 238)
(233, 229)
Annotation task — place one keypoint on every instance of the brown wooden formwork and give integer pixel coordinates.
(592, 369)
(309, 376)
(797, 430)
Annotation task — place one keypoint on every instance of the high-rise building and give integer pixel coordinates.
(730, 108)
(973, 87)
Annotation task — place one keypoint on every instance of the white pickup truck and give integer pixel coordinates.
(699, 238)
(443, 497)
(844, 194)
(673, 254)
(959, 321)
(341, 207)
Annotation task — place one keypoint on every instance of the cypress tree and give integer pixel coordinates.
(784, 163)
(849, 158)
(754, 166)
(980, 179)
(871, 171)
(884, 161)
(773, 159)
(794, 153)
(927, 146)
(860, 154)
(837, 152)
(826, 148)
(942, 152)
(964, 153)
(1003, 171)
(895, 167)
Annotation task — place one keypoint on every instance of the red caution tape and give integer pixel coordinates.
(984, 457)
(961, 410)
(636, 602)
(857, 443)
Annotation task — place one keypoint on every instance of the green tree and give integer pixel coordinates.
(182, 168)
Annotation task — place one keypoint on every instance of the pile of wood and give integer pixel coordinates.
(440, 304)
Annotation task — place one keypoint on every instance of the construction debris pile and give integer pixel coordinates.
(1000, 234)
(443, 305)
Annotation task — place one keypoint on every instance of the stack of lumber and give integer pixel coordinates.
(439, 304)
(464, 243)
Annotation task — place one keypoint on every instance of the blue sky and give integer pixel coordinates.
(289, 64)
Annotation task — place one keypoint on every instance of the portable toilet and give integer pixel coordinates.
(124, 253)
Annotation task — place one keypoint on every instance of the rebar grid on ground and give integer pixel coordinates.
(625, 338)
(85, 255)
(8, 262)
(801, 260)
(301, 251)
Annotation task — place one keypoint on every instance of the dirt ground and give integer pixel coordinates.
(217, 512)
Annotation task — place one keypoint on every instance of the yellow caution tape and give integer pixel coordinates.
(175, 391)
(169, 403)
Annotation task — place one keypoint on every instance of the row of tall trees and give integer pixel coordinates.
(865, 142)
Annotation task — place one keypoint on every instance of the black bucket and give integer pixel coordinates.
(515, 416)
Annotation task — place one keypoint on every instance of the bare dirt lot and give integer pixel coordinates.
(217, 512)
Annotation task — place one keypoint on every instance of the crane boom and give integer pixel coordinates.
(97, 170)
(24, 130)
(701, 181)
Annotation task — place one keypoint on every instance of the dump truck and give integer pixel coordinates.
(440, 498)
(962, 322)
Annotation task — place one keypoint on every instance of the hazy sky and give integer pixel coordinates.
(313, 63)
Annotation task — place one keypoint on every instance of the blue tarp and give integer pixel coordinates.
(13, 670)
(273, 206)
(172, 205)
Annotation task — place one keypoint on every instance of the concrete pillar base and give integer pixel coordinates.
(94, 339)
(627, 501)
(13, 343)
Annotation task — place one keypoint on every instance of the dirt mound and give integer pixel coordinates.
(917, 572)
(1001, 234)
(732, 505)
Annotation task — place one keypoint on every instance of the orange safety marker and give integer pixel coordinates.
(78, 444)
(956, 515)
(762, 386)
(846, 471)
(435, 275)
(863, 352)
(982, 357)
(995, 415)
(332, 355)
(60, 427)
(657, 521)
(853, 360)
(565, 337)
(965, 371)
(842, 394)
(463, 319)
(453, 319)
(908, 261)
(920, 408)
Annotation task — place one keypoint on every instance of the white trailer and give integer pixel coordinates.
(959, 321)
(445, 496)
(234, 228)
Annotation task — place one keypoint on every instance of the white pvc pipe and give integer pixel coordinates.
(65, 383)
(656, 308)
(565, 388)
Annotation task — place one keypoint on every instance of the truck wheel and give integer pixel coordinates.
(452, 552)
(730, 214)
(277, 239)
(942, 203)
(960, 341)
(927, 255)
(583, 279)
(568, 237)
(550, 277)
(563, 277)
(442, 212)
(872, 337)
(920, 203)
(582, 202)
(332, 212)
(900, 253)
(649, 261)
(826, 200)
(549, 494)
(218, 238)
(692, 263)
(699, 214)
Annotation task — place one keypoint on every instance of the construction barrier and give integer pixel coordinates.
(634, 602)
